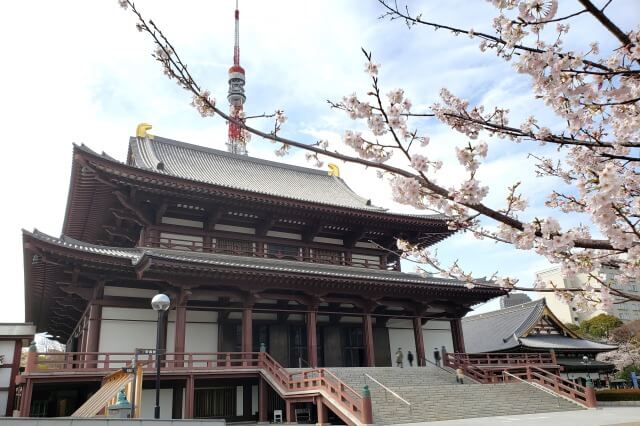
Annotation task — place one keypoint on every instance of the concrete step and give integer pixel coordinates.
(433, 394)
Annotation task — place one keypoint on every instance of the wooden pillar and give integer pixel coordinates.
(93, 333)
(312, 342)
(15, 367)
(25, 401)
(367, 333)
(181, 325)
(247, 329)
(322, 412)
(419, 339)
(188, 402)
(289, 411)
(176, 409)
(457, 336)
(263, 416)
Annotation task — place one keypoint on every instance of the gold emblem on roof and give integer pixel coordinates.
(333, 170)
(141, 131)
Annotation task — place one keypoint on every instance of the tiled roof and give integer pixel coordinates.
(505, 329)
(136, 255)
(494, 331)
(242, 172)
(562, 342)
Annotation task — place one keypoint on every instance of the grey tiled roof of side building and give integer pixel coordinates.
(494, 331)
(212, 166)
(503, 330)
(563, 342)
(255, 263)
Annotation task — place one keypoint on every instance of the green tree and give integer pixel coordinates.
(600, 326)
(574, 328)
(625, 373)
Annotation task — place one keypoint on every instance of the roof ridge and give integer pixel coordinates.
(222, 153)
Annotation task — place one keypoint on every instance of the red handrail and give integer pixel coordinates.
(314, 379)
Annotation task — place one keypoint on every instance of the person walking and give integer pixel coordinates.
(410, 358)
(436, 356)
(460, 375)
(399, 358)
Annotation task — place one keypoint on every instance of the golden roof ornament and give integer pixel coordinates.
(334, 170)
(141, 131)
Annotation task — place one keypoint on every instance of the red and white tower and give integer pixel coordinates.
(236, 143)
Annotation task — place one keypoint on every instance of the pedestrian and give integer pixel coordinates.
(410, 358)
(436, 356)
(399, 358)
(460, 375)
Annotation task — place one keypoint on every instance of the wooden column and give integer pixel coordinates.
(322, 412)
(367, 333)
(181, 324)
(247, 329)
(15, 368)
(93, 326)
(312, 342)
(289, 411)
(457, 335)
(188, 401)
(25, 401)
(263, 416)
(419, 339)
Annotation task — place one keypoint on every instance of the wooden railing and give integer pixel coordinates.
(199, 246)
(499, 360)
(309, 380)
(540, 368)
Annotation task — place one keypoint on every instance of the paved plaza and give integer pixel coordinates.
(608, 416)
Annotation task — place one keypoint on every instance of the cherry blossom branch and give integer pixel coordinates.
(606, 22)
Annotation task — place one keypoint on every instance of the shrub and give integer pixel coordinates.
(618, 395)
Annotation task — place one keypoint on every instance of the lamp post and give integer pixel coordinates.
(159, 303)
(585, 361)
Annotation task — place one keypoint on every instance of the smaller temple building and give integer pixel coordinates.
(532, 327)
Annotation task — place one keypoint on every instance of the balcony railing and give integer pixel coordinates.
(200, 247)
(291, 384)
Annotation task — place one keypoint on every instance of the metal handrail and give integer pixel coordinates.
(535, 385)
(390, 391)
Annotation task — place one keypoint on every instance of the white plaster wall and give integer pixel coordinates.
(435, 335)
(254, 399)
(5, 378)
(4, 398)
(239, 400)
(201, 337)
(401, 336)
(6, 350)
(125, 329)
(149, 402)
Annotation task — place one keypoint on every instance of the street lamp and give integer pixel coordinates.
(585, 361)
(159, 303)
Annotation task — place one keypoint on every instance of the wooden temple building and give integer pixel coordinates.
(532, 327)
(256, 256)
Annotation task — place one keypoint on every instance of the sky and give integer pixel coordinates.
(79, 72)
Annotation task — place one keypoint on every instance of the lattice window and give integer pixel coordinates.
(237, 247)
(282, 251)
(334, 257)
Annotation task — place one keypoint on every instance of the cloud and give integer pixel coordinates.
(78, 71)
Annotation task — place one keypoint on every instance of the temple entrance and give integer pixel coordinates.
(215, 402)
(353, 347)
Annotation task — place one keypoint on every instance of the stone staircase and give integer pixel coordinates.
(433, 394)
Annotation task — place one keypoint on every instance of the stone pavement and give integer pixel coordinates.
(608, 416)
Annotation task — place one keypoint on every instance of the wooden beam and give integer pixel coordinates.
(111, 230)
(265, 224)
(311, 231)
(214, 214)
(129, 204)
(353, 237)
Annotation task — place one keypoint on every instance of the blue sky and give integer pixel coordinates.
(78, 71)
